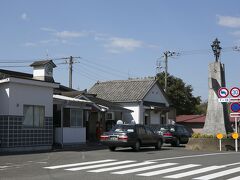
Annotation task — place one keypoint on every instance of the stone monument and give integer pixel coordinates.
(217, 118)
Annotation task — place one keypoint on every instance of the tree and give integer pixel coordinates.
(180, 95)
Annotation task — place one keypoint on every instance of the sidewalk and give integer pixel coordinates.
(88, 146)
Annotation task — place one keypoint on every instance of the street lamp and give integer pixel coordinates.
(216, 49)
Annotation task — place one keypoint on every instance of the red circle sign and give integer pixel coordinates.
(235, 92)
(223, 92)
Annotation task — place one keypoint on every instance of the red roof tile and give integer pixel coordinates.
(194, 119)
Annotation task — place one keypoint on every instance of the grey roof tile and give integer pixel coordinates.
(122, 90)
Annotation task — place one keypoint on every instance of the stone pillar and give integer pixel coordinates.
(217, 119)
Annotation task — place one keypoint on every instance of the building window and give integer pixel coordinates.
(110, 116)
(76, 117)
(33, 116)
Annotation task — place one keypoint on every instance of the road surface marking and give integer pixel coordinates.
(219, 174)
(144, 168)
(193, 172)
(235, 178)
(121, 167)
(99, 165)
(153, 173)
(79, 164)
(193, 156)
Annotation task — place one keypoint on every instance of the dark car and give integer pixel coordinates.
(173, 134)
(129, 135)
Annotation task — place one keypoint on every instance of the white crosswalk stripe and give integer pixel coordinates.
(235, 178)
(99, 165)
(122, 167)
(79, 164)
(219, 174)
(193, 172)
(151, 168)
(144, 168)
(163, 171)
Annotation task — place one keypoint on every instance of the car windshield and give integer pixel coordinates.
(123, 128)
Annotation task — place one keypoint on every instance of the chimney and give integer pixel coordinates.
(43, 70)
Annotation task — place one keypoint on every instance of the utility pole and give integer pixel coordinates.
(70, 71)
(166, 55)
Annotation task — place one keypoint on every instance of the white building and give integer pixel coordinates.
(26, 108)
(144, 97)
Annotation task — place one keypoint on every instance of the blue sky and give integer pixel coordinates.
(121, 39)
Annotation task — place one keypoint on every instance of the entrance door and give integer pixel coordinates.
(92, 121)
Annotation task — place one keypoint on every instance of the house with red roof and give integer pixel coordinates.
(195, 123)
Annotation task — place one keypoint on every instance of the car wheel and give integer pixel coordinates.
(112, 148)
(159, 145)
(137, 146)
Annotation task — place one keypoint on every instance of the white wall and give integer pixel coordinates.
(127, 117)
(155, 117)
(4, 99)
(155, 95)
(70, 135)
(21, 94)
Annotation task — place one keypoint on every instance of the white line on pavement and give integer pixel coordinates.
(193, 172)
(79, 164)
(193, 156)
(219, 174)
(99, 165)
(163, 171)
(121, 167)
(144, 168)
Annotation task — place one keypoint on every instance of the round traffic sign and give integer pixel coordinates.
(235, 92)
(235, 107)
(219, 135)
(223, 92)
(235, 135)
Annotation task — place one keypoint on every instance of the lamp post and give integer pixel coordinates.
(216, 49)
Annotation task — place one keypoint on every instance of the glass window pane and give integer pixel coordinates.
(28, 116)
(36, 116)
(73, 117)
(42, 116)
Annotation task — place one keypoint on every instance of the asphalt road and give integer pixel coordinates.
(168, 163)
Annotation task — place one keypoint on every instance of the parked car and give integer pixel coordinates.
(173, 134)
(131, 135)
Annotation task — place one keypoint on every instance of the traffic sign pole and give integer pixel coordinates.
(236, 140)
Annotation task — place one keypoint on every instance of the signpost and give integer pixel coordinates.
(234, 106)
(220, 136)
(235, 136)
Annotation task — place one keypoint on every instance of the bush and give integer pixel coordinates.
(199, 135)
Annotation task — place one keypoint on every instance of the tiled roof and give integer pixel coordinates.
(122, 90)
(40, 63)
(190, 119)
(194, 119)
(7, 73)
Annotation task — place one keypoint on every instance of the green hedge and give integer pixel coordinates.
(199, 135)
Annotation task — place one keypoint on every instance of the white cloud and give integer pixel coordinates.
(48, 29)
(24, 16)
(30, 44)
(70, 34)
(229, 21)
(116, 44)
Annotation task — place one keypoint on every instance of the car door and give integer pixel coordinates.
(150, 136)
(183, 135)
(142, 135)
